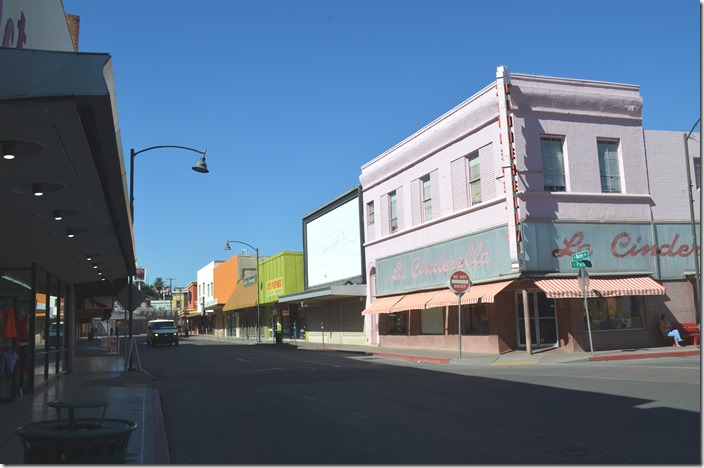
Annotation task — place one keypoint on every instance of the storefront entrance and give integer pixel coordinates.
(543, 324)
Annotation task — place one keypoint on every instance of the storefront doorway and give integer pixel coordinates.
(543, 324)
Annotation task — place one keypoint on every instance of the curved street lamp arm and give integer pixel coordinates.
(135, 153)
(244, 243)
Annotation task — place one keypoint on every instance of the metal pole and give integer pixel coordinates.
(694, 229)
(129, 364)
(459, 323)
(526, 321)
(259, 327)
(589, 323)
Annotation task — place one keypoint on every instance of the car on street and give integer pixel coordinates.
(162, 331)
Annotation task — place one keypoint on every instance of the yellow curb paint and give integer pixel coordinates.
(514, 363)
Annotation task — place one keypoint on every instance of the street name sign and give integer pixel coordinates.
(581, 260)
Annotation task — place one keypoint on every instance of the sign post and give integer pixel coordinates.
(459, 284)
(583, 281)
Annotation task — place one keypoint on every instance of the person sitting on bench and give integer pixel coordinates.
(667, 330)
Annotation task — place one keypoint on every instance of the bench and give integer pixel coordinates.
(688, 331)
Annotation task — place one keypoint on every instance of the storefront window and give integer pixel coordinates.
(616, 313)
(432, 321)
(15, 310)
(475, 320)
(398, 324)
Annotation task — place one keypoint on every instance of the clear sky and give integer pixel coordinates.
(292, 97)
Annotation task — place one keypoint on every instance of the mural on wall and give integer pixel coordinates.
(663, 250)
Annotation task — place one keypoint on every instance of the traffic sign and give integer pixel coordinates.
(459, 282)
(581, 263)
(583, 255)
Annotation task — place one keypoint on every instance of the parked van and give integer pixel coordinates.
(162, 331)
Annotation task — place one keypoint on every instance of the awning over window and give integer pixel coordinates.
(189, 314)
(382, 305)
(480, 293)
(414, 301)
(242, 297)
(604, 286)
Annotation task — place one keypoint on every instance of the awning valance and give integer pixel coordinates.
(242, 297)
(189, 314)
(382, 305)
(604, 286)
(479, 293)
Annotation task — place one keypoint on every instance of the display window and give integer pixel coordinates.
(616, 313)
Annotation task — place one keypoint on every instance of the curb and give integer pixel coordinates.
(619, 357)
(391, 355)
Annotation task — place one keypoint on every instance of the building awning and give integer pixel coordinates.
(605, 286)
(242, 297)
(189, 314)
(479, 293)
(415, 301)
(382, 305)
(326, 293)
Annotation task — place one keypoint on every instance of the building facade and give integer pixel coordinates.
(508, 187)
(335, 293)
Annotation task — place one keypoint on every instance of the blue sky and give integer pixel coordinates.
(292, 97)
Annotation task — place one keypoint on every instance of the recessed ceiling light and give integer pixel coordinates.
(37, 190)
(57, 215)
(10, 149)
(70, 233)
(89, 257)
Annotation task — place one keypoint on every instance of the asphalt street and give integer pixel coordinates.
(263, 404)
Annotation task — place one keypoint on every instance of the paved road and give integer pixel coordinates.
(265, 404)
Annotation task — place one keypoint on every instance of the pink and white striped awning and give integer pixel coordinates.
(479, 293)
(382, 305)
(600, 286)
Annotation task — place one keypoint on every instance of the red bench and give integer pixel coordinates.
(688, 331)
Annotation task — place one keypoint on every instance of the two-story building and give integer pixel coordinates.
(513, 186)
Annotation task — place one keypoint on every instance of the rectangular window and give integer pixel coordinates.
(697, 172)
(615, 313)
(553, 164)
(393, 212)
(398, 323)
(609, 166)
(475, 179)
(475, 320)
(432, 321)
(370, 213)
(426, 198)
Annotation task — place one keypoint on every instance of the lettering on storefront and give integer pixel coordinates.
(11, 37)
(274, 287)
(420, 266)
(624, 245)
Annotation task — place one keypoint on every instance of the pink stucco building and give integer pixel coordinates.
(509, 186)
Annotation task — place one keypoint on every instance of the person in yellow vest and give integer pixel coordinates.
(279, 332)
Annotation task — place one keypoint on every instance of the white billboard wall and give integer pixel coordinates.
(39, 25)
(333, 245)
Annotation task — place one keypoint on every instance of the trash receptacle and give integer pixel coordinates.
(76, 440)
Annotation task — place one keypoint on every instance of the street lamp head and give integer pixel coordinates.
(227, 245)
(201, 166)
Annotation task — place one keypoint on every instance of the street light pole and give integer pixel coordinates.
(256, 250)
(697, 276)
(200, 166)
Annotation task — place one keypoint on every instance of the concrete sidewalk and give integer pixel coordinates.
(97, 376)
(132, 396)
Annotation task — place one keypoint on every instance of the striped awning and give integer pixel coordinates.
(414, 301)
(382, 305)
(602, 286)
(480, 293)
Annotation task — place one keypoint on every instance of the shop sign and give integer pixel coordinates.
(667, 248)
(275, 287)
(482, 255)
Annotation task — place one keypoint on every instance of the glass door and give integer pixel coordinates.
(543, 324)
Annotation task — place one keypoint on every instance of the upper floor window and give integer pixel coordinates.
(475, 179)
(553, 164)
(609, 166)
(370, 213)
(426, 198)
(697, 171)
(393, 212)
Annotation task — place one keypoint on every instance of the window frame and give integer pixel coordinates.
(393, 212)
(553, 158)
(473, 182)
(370, 213)
(426, 198)
(605, 170)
